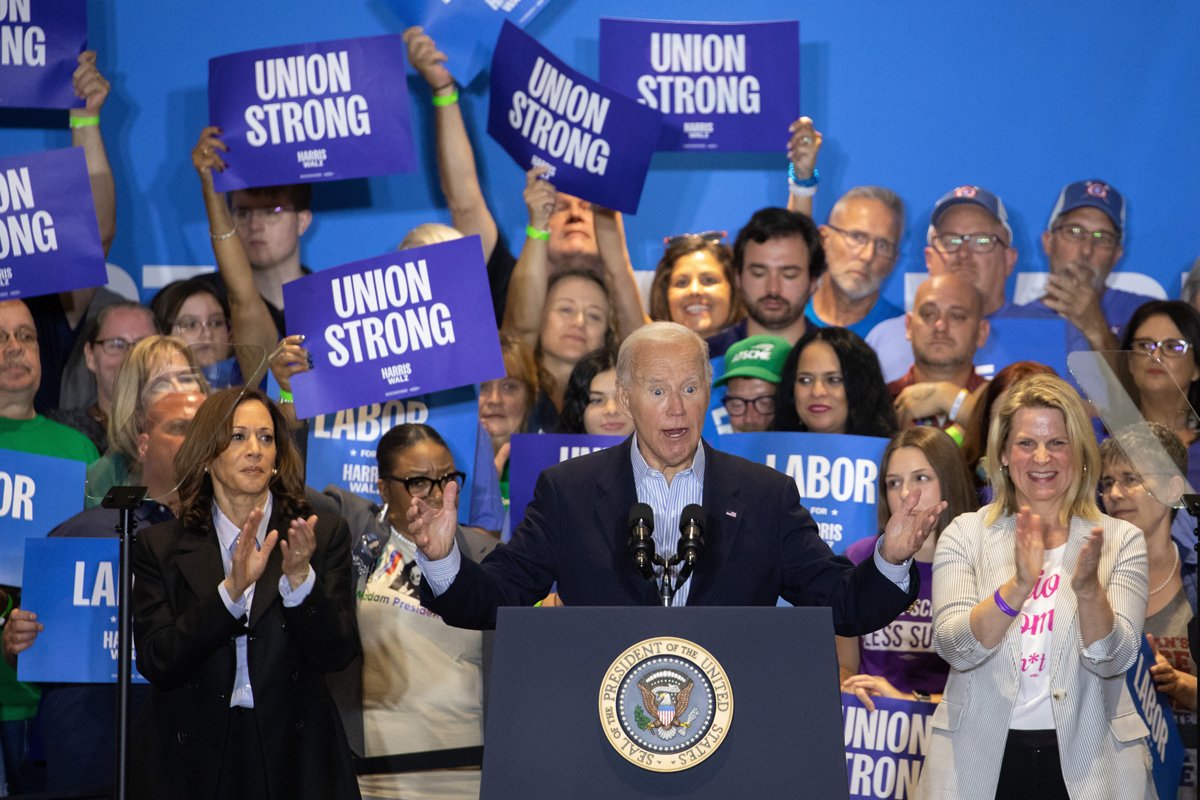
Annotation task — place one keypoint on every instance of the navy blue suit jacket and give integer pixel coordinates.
(761, 545)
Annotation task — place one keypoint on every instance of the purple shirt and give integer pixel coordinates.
(903, 651)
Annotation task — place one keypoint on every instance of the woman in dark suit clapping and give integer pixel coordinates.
(235, 626)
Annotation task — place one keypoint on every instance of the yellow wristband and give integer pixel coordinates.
(84, 122)
(445, 99)
(536, 233)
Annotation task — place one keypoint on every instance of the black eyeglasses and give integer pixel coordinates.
(736, 406)
(711, 237)
(1171, 348)
(860, 239)
(976, 242)
(422, 485)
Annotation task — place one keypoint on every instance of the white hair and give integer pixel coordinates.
(429, 233)
(655, 334)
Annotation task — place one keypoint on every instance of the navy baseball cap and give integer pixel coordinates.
(975, 195)
(1091, 194)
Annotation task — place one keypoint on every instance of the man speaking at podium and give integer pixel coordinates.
(750, 543)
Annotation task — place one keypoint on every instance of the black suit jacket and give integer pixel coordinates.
(185, 648)
(761, 545)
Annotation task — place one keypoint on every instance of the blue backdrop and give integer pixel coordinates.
(1020, 97)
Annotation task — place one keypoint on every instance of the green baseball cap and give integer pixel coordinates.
(759, 357)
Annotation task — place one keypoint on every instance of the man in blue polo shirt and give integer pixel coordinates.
(1083, 244)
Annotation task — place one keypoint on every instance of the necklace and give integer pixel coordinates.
(1170, 574)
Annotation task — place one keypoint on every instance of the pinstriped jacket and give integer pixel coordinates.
(1101, 737)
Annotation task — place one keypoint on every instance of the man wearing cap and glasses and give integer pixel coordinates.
(1083, 244)
(753, 368)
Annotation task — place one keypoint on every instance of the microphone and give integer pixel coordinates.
(641, 541)
(691, 538)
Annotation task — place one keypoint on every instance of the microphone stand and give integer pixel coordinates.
(125, 500)
(666, 592)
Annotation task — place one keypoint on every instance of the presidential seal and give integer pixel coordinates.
(665, 704)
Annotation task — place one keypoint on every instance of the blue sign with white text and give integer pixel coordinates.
(341, 446)
(466, 30)
(312, 112)
(49, 238)
(837, 475)
(71, 584)
(533, 452)
(729, 86)
(596, 141)
(40, 43)
(1166, 748)
(399, 325)
(36, 493)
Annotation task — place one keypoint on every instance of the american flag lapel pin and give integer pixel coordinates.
(731, 514)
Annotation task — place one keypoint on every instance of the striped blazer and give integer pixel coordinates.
(1101, 737)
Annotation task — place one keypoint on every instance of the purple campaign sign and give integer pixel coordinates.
(398, 325)
(596, 141)
(40, 42)
(312, 112)
(49, 239)
(837, 476)
(533, 452)
(72, 586)
(36, 493)
(885, 748)
(720, 86)
(466, 30)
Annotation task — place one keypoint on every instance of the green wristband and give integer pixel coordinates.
(446, 99)
(285, 396)
(84, 122)
(536, 233)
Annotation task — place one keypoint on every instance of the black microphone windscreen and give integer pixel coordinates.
(643, 513)
(692, 514)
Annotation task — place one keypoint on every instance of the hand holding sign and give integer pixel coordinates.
(803, 146)
(20, 632)
(427, 59)
(206, 155)
(433, 528)
(864, 687)
(89, 85)
(540, 197)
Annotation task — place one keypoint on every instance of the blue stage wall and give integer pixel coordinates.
(1020, 97)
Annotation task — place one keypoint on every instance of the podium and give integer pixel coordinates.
(567, 715)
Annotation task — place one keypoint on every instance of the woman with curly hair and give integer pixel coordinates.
(826, 368)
